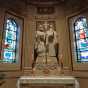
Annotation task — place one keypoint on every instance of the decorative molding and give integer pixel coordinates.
(28, 68)
(45, 17)
(45, 10)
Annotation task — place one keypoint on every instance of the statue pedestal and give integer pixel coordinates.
(49, 67)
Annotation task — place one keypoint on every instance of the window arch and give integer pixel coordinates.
(81, 39)
(10, 41)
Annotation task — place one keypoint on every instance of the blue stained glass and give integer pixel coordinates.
(82, 45)
(81, 23)
(10, 38)
(87, 33)
(8, 41)
(81, 39)
(10, 35)
(12, 45)
(11, 25)
(8, 56)
(84, 56)
(78, 25)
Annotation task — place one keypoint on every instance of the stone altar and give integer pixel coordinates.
(32, 80)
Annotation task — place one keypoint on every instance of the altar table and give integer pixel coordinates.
(68, 80)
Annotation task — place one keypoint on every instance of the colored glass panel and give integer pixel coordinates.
(9, 55)
(11, 35)
(81, 39)
(11, 25)
(10, 38)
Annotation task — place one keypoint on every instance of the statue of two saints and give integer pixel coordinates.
(46, 43)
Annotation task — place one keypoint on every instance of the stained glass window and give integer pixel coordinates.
(11, 34)
(81, 39)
